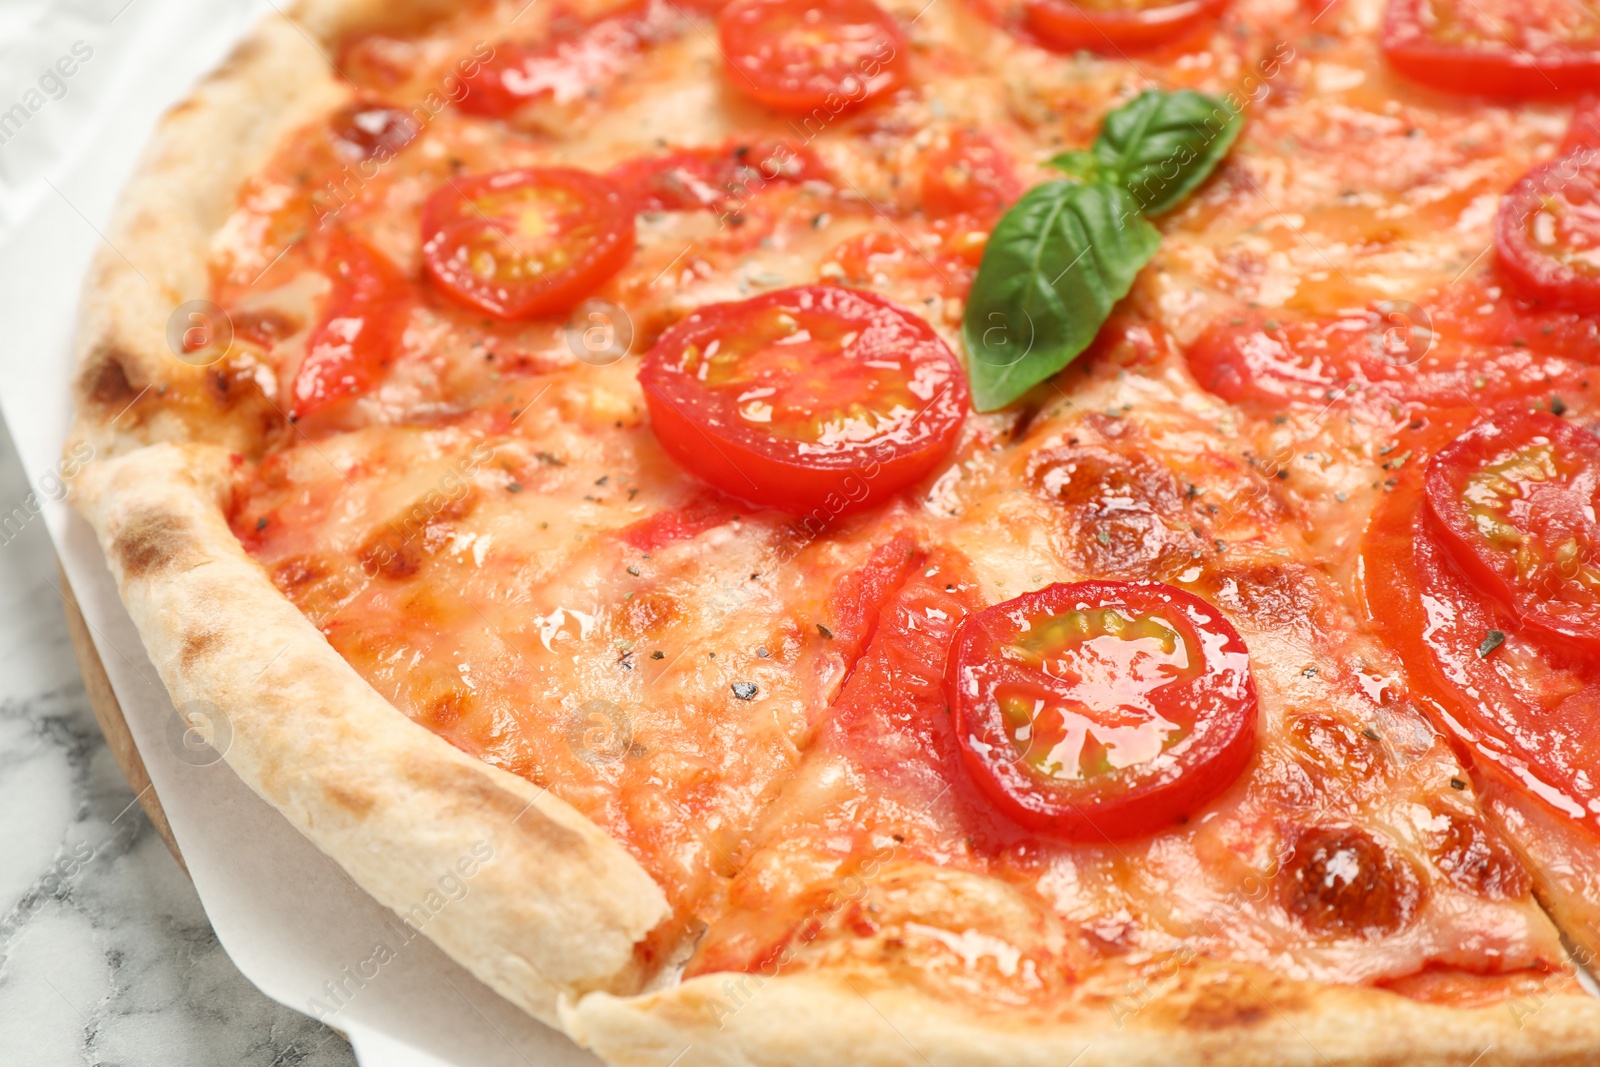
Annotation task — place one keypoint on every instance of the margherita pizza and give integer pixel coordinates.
(963, 532)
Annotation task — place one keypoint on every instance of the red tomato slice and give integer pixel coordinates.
(1102, 710)
(349, 351)
(576, 59)
(816, 397)
(1515, 500)
(1516, 48)
(1583, 132)
(856, 602)
(713, 179)
(1519, 707)
(1382, 357)
(366, 131)
(804, 55)
(1548, 232)
(1114, 26)
(1484, 312)
(523, 243)
(705, 512)
(970, 175)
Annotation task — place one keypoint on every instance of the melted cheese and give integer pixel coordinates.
(460, 534)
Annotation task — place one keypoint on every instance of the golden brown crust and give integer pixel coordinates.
(554, 906)
(156, 252)
(1206, 1015)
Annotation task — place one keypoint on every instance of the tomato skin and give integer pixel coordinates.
(1070, 27)
(713, 179)
(704, 512)
(1493, 68)
(1546, 510)
(891, 259)
(971, 175)
(1583, 132)
(348, 352)
(1273, 362)
(705, 430)
(798, 55)
(1527, 713)
(577, 58)
(370, 130)
(472, 219)
(857, 599)
(1560, 200)
(1215, 708)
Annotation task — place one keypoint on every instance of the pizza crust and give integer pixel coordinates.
(1206, 1014)
(155, 256)
(555, 917)
(557, 906)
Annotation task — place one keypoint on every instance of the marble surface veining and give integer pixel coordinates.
(106, 956)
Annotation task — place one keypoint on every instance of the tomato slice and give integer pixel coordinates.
(816, 397)
(1515, 499)
(1390, 356)
(804, 55)
(1583, 132)
(713, 179)
(574, 60)
(1548, 232)
(351, 348)
(367, 130)
(969, 175)
(704, 512)
(1114, 26)
(1519, 707)
(1102, 710)
(1515, 48)
(523, 243)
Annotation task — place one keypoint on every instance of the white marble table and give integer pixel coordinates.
(105, 954)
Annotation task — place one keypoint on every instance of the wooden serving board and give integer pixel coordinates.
(108, 713)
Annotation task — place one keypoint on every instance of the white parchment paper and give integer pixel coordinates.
(81, 84)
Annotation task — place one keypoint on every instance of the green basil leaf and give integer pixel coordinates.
(1162, 145)
(1084, 166)
(1054, 267)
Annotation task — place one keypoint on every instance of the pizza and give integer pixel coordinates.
(965, 531)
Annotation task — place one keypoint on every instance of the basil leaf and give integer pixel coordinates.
(1084, 166)
(1053, 268)
(1068, 251)
(1161, 145)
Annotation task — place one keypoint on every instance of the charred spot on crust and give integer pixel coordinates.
(355, 801)
(104, 380)
(1476, 859)
(1225, 1005)
(151, 541)
(469, 787)
(196, 645)
(1195, 996)
(1340, 881)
